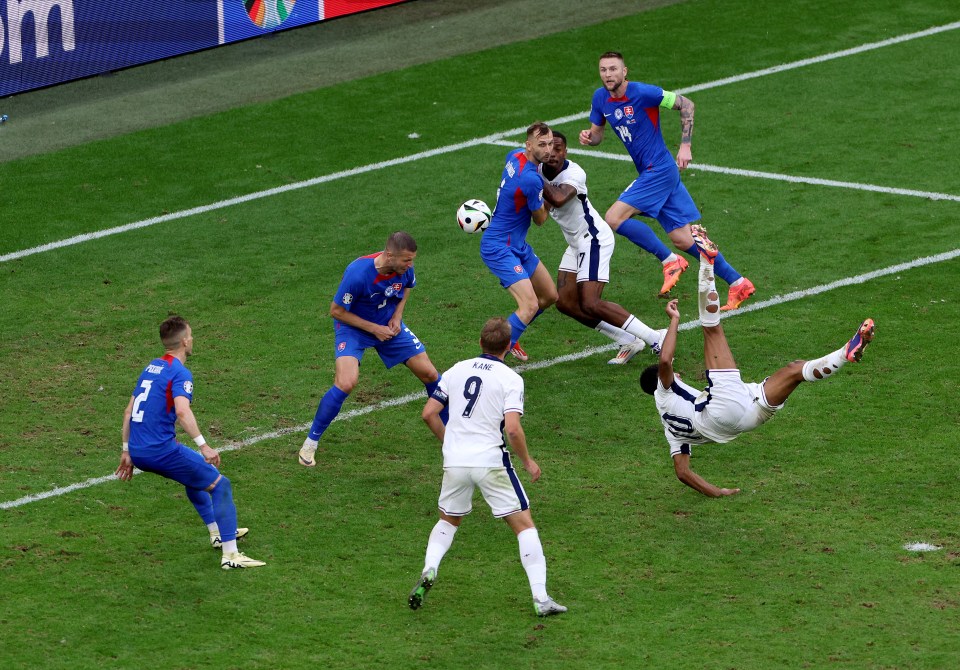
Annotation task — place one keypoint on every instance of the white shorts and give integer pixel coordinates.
(729, 406)
(500, 487)
(591, 261)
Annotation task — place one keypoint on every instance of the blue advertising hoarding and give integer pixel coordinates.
(44, 42)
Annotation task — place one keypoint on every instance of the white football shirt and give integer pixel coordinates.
(577, 217)
(677, 408)
(478, 391)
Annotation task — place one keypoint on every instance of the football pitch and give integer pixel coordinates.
(825, 166)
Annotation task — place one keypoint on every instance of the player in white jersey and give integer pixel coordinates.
(484, 397)
(585, 266)
(728, 406)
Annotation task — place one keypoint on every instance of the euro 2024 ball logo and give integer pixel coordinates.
(268, 13)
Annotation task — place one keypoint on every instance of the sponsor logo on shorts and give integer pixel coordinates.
(341, 346)
(518, 269)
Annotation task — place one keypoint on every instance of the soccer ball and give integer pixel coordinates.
(473, 215)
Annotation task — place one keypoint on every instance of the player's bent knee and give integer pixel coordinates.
(220, 486)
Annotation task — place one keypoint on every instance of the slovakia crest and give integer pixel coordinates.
(518, 269)
(628, 110)
(341, 346)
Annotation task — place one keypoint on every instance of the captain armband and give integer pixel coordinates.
(669, 99)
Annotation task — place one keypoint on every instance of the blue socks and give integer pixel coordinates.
(516, 328)
(721, 267)
(327, 411)
(224, 509)
(640, 234)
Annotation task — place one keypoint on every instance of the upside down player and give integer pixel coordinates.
(728, 407)
(633, 110)
(367, 313)
(585, 266)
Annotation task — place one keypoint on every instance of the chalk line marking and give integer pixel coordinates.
(87, 237)
(590, 351)
(890, 190)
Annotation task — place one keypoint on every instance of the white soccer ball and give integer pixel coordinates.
(473, 215)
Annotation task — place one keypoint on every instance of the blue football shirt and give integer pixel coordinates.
(520, 194)
(635, 118)
(370, 295)
(153, 421)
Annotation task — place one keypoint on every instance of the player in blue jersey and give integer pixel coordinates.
(633, 110)
(367, 313)
(504, 246)
(728, 407)
(160, 400)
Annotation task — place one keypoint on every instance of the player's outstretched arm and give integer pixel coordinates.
(431, 417)
(668, 347)
(681, 465)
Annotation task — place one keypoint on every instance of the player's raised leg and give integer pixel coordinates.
(716, 350)
(619, 218)
(741, 288)
(784, 381)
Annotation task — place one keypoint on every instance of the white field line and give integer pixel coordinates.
(930, 195)
(590, 351)
(87, 237)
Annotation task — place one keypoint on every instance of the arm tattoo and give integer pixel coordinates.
(685, 106)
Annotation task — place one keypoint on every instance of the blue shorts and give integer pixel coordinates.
(660, 194)
(510, 264)
(350, 341)
(181, 464)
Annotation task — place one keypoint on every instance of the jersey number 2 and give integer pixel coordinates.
(137, 412)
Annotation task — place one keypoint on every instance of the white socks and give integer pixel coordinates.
(618, 335)
(669, 259)
(534, 562)
(230, 547)
(707, 297)
(441, 538)
(638, 328)
(824, 367)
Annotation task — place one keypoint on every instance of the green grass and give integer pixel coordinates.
(804, 569)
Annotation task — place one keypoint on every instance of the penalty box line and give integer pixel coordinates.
(590, 351)
(737, 172)
(173, 216)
